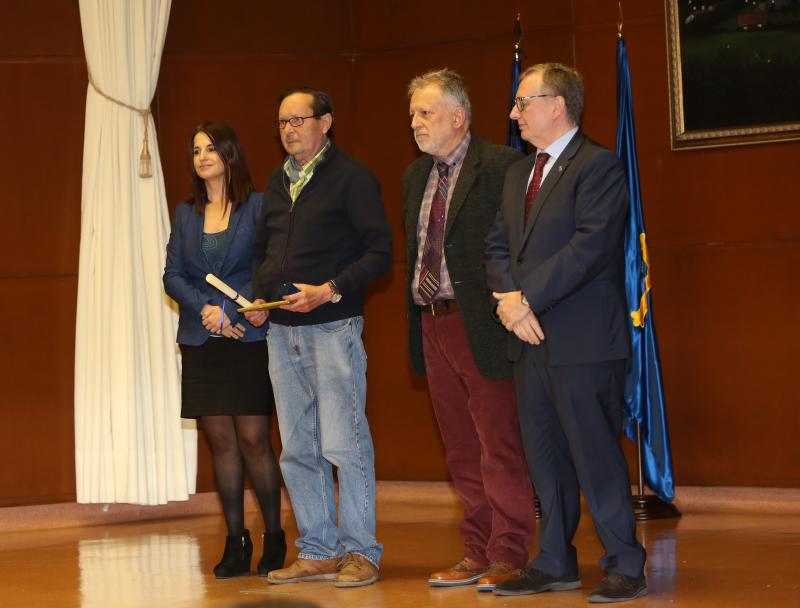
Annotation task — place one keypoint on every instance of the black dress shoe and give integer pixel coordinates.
(536, 581)
(618, 588)
(236, 558)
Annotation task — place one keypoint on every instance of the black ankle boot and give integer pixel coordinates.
(236, 559)
(274, 553)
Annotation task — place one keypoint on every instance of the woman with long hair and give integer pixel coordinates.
(225, 383)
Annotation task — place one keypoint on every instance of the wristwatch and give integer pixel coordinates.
(336, 296)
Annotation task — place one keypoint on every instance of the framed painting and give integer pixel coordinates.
(734, 71)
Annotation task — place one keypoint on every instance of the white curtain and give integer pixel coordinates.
(130, 443)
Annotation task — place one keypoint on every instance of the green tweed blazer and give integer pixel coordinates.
(470, 216)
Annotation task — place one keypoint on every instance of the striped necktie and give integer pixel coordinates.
(431, 267)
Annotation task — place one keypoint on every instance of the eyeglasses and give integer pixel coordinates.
(520, 101)
(295, 121)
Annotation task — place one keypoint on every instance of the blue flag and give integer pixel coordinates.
(644, 394)
(513, 138)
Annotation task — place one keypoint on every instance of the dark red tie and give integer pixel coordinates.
(430, 269)
(536, 182)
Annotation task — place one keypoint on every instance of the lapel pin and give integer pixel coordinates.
(560, 168)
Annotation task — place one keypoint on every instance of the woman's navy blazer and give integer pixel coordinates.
(186, 269)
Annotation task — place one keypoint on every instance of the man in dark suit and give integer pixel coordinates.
(554, 260)
(450, 198)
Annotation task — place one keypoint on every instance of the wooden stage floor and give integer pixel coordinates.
(712, 557)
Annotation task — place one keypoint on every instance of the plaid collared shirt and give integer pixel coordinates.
(455, 160)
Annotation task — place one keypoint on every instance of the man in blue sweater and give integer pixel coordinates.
(322, 238)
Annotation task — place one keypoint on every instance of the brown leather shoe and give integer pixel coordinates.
(356, 571)
(498, 572)
(305, 570)
(465, 572)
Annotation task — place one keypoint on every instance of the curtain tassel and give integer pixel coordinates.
(145, 166)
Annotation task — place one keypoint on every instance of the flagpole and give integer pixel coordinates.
(645, 506)
(639, 467)
(648, 506)
(513, 140)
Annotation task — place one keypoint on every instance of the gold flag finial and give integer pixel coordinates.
(619, 23)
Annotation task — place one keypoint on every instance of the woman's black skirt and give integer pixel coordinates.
(225, 377)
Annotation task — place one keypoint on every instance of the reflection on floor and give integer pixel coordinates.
(708, 559)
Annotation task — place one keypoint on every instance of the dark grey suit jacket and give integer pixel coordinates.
(470, 216)
(568, 259)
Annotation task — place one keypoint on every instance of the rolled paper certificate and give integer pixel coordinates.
(264, 306)
(227, 290)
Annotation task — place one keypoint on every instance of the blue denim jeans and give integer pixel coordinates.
(318, 376)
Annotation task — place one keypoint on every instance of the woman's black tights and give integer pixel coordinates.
(235, 439)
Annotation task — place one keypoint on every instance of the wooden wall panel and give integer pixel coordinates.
(43, 80)
(236, 27)
(43, 197)
(727, 324)
(397, 24)
(36, 437)
(590, 12)
(40, 31)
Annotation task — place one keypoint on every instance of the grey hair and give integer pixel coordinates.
(451, 84)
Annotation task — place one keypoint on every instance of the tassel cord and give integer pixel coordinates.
(145, 168)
